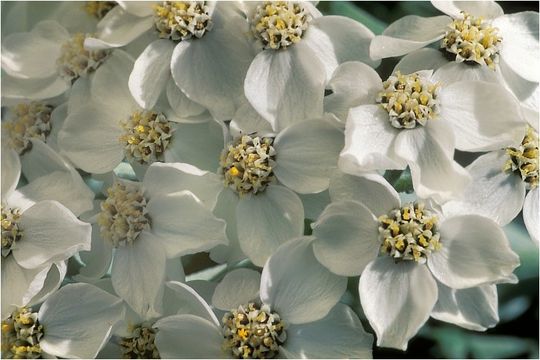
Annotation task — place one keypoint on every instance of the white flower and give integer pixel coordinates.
(190, 36)
(298, 51)
(74, 322)
(104, 125)
(417, 120)
(418, 247)
(271, 315)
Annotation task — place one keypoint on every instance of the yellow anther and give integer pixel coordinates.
(234, 171)
(243, 333)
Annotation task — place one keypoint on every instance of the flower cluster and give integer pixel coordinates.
(201, 179)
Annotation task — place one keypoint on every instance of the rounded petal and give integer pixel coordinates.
(79, 319)
(397, 299)
(32, 89)
(338, 335)
(51, 233)
(346, 238)
(422, 59)
(475, 308)
(486, 9)
(237, 288)
(188, 301)
(482, 115)
(493, 193)
(247, 120)
(286, 86)
(369, 141)
(41, 162)
(407, 34)
(138, 273)
(180, 336)
(314, 204)
(520, 48)
(11, 170)
(530, 214)
(459, 71)
(474, 251)
(98, 260)
(296, 286)
(151, 73)
(183, 106)
(184, 225)
(138, 8)
(55, 277)
(307, 155)
(268, 219)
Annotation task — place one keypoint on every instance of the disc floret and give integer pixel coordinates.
(98, 9)
(182, 20)
(76, 61)
(140, 345)
(11, 229)
(30, 121)
(523, 160)
(21, 333)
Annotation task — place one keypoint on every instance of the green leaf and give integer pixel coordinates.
(345, 8)
(498, 347)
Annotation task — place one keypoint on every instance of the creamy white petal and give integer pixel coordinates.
(182, 105)
(307, 155)
(527, 92)
(138, 8)
(174, 177)
(138, 273)
(422, 59)
(33, 89)
(369, 141)
(520, 48)
(474, 308)
(79, 319)
(268, 219)
(286, 86)
(41, 160)
(487, 9)
(54, 279)
(474, 251)
(51, 233)
(237, 288)
(188, 301)
(338, 335)
(11, 170)
(459, 71)
(151, 73)
(397, 299)
(482, 115)
(314, 204)
(98, 260)
(493, 193)
(346, 238)
(370, 189)
(189, 337)
(297, 286)
(530, 214)
(248, 120)
(407, 34)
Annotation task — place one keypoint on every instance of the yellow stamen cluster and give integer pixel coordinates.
(21, 333)
(182, 20)
(140, 345)
(147, 135)
(253, 332)
(409, 100)
(123, 214)
(246, 164)
(472, 39)
(279, 24)
(98, 9)
(409, 233)
(76, 61)
(523, 160)
(30, 121)
(11, 230)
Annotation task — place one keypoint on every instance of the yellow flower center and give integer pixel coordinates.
(30, 121)
(182, 20)
(21, 333)
(523, 160)
(11, 230)
(76, 61)
(98, 9)
(140, 345)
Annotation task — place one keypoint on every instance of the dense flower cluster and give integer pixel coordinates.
(257, 143)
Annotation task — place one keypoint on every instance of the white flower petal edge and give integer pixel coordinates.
(11, 170)
(487, 9)
(397, 299)
(530, 214)
(297, 286)
(422, 59)
(238, 287)
(187, 301)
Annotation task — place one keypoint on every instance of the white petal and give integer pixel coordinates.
(170, 178)
(482, 115)
(474, 308)
(98, 260)
(138, 8)
(184, 225)
(520, 48)
(188, 337)
(268, 219)
(11, 170)
(188, 301)
(493, 193)
(217, 85)
(352, 84)
(407, 34)
(397, 298)
(338, 335)
(55, 277)
(42, 161)
(51, 233)
(428, 151)
(237, 288)
(369, 141)
(530, 214)
(33, 89)
(180, 103)
(314, 204)
(422, 59)
(337, 39)
(296, 286)
(307, 155)
(474, 251)
(79, 319)
(138, 273)
(370, 189)
(459, 71)
(486, 9)
(151, 73)
(248, 120)
(286, 86)
(346, 238)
